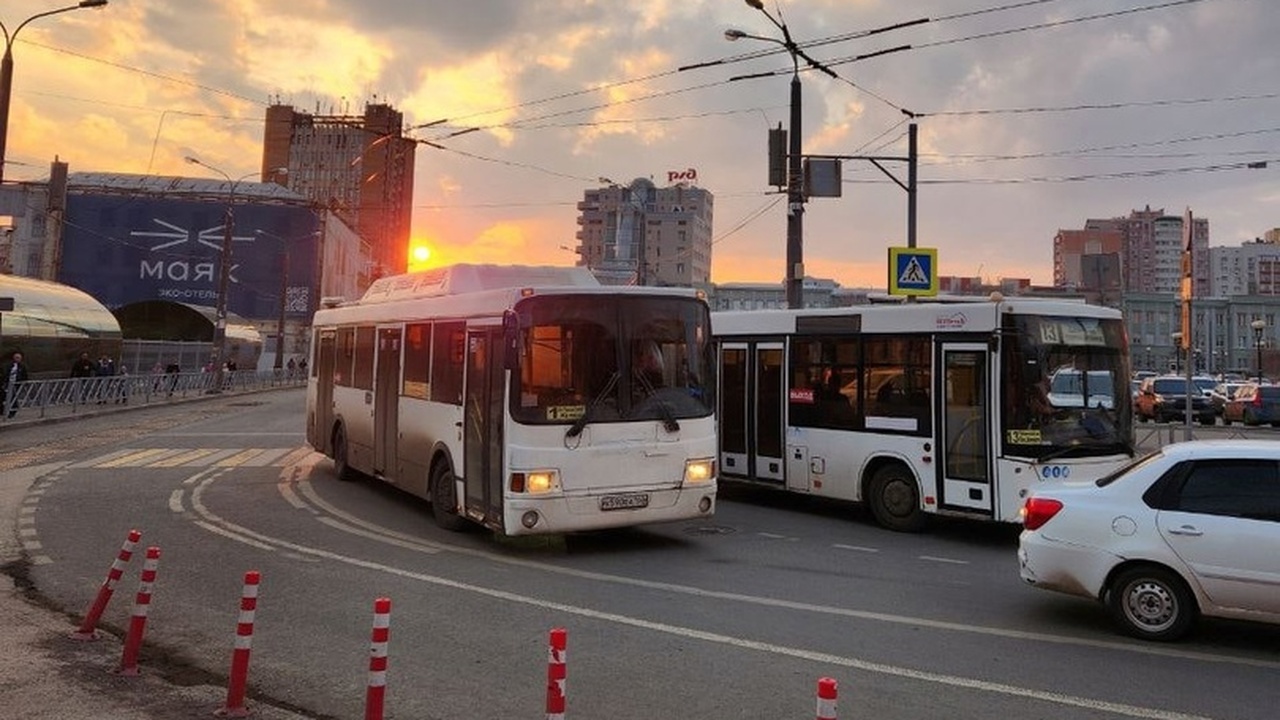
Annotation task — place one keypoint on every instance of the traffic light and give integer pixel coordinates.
(778, 157)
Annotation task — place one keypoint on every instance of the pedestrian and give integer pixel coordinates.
(81, 371)
(302, 367)
(13, 373)
(106, 368)
(172, 370)
(292, 367)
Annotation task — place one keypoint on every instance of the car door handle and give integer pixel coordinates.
(1186, 530)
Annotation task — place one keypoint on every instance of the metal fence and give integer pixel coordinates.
(42, 398)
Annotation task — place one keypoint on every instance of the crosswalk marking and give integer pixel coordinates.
(133, 459)
(181, 458)
(198, 457)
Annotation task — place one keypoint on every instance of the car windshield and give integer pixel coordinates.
(1204, 383)
(1170, 386)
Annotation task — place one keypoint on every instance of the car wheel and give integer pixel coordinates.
(1152, 603)
(341, 466)
(1208, 420)
(1226, 420)
(894, 499)
(443, 501)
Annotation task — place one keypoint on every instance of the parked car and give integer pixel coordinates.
(1164, 398)
(1067, 389)
(1188, 530)
(1222, 394)
(1254, 404)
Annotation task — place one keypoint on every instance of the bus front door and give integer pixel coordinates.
(386, 423)
(964, 440)
(482, 413)
(751, 404)
(769, 402)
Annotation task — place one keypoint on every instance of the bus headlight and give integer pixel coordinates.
(535, 482)
(699, 471)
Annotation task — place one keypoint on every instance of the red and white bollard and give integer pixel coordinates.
(826, 699)
(138, 622)
(556, 674)
(89, 627)
(376, 695)
(235, 705)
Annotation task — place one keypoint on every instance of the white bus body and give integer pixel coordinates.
(509, 397)
(923, 408)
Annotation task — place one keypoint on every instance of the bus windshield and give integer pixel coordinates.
(612, 358)
(1066, 389)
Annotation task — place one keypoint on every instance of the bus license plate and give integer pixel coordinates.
(624, 501)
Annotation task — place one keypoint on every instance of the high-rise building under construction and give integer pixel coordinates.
(358, 166)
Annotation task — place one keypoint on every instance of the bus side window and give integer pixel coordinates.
(447, 362)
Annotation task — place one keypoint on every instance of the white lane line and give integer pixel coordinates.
(369, 529)
(694, 634)
(772, 536)
(1148, 649)
(232, 536)
(856, 548)
(175, 501)
(949, 561)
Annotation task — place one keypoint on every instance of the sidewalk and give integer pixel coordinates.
(46, 675)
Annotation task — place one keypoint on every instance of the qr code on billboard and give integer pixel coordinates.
(297, 299)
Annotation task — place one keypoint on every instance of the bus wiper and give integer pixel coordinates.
(581, 423)
(668, 419)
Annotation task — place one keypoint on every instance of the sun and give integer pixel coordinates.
(419, 256)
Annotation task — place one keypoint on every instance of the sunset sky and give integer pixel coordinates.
(1034, 114)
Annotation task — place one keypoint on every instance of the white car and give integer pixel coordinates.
(1191, 529)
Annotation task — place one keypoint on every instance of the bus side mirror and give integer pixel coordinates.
(510, 340)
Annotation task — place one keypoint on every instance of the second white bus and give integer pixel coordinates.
(529, 400)
(924, 408)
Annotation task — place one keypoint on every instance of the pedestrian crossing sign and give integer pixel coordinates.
(913, 271)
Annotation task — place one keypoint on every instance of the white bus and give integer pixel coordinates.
(530, 400)
(924, 408)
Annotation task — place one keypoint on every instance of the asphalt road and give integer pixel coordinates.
(733, 617)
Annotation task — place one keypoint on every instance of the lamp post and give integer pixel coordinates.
(224, 272)
(795, 176)
(1258, 326)
(6, 68)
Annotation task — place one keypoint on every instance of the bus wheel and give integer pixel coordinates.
(443, 488)
(340, 465)
(894, 500)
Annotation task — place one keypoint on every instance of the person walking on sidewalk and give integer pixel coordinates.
(13, 374)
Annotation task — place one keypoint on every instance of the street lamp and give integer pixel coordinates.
(6, 67)
(795, 177)
(1258, 326)
(224, 271)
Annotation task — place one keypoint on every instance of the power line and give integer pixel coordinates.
(1099, 106)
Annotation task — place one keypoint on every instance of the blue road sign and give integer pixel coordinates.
(913, 271)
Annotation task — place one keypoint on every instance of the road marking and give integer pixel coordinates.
(856, 548)
(772, 536)
(216, 457)
(222, 527)
(267, 457)
(239, 458)
(308, 492)
(175, 501)
(949, 561)
(182, 458)
(132, 458)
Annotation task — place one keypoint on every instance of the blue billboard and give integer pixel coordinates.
(123, 249)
